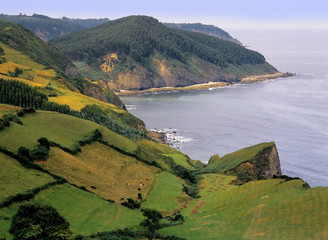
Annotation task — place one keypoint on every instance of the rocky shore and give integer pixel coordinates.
(209, 85)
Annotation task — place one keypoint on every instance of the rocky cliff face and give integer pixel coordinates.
(265, 164)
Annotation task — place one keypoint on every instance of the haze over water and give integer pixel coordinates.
(291, 112)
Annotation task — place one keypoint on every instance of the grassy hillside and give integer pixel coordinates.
(16, 178)
(119, 176)
(86, 212)
(110, 168)
(22, 50)
(138, 52)
(166, 194)
(267, 209)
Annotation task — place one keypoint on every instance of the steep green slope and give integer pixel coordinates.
(44, 27)
(107, 164)
(86, 212)
(138, 52)
(15, 178)
(205, 29)
(23, 50)
(267, 209)
(48, 28)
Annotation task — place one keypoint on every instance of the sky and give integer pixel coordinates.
(225, 14)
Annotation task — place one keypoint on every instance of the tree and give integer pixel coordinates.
(152, 219)
(37, 222)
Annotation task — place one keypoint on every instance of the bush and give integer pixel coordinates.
(192, 190)
(33, 221)
(130, 203)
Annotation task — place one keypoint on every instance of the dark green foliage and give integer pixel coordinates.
(96, 114)
(185, 174)
(152, 219)
(87, 23)
(306, 186)
(137, 37)
(37, 222)
(127, 234)
(205, 29)
(140, 196)
(20, 94)
(15, 73)
(2, 52)
(7, 118)
(130, 203)
(192, 190)
(39, 153)
(24, 152)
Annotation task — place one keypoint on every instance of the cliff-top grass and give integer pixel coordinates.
(266, 209)
(234, 159)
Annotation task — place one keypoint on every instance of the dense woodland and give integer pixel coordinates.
(203, 28)
(139, 36)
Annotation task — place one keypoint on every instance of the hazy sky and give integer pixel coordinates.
(223, 13)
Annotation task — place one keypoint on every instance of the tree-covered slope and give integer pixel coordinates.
(41, 63)
(49, 28)
(205, 29)
(139, 52)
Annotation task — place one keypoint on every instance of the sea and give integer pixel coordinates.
(292, 112)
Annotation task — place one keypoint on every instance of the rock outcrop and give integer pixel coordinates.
(264, 165)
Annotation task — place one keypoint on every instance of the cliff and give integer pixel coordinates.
(139, 52)
(256, 162)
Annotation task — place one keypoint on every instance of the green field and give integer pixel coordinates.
(266, 209)
(59, 128)
(86, 212)
(180, 159)
(234, 159)
(15, 178)
(166, 193)
(103, 170)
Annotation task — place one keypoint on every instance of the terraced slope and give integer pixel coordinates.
(86, 212)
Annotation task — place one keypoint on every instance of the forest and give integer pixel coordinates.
(138, 37)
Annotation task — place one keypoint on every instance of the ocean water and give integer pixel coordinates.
(292, 112)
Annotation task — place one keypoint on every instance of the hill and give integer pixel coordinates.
(48, 28)
(41, 63)
(205, 29)
(138, 52)
(96, 165)
(90, 187)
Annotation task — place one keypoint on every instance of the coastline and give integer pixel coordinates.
(249, 79)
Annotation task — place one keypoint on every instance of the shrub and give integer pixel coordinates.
(33, 221)
(130, 203)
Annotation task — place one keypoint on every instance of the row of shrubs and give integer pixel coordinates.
(7, 118)
(29, 194)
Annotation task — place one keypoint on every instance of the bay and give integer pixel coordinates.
(292, 112)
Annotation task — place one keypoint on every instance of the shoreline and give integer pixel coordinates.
(201, 86)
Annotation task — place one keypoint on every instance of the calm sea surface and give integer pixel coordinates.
(291, 112)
